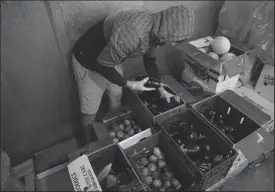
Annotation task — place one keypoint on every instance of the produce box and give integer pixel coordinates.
(203, 73)
(200, 147)
(123, 124)
(239, 122)
(107, 166)
(158, 165)
(150, 106)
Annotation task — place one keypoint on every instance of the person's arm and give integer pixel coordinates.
(106, 62)
(111, 74)
(150, 65)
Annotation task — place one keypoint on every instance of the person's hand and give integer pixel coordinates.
(167, 96)
(139, 85)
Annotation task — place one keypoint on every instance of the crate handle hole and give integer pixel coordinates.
(241, 122)
(142, 139)
(228, 110)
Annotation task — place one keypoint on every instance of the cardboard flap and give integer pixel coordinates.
(113, 114)
(178, 89)
(82, 175)
(135, 139)
(246, 107)
(256, 144)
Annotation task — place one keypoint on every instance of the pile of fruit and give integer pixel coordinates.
(117, 181)
(217, 119)
(219, 49)
(155, 172)
(197, 146)
(123, 129)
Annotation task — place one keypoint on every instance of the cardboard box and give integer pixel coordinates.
(86, 166)
(207, 74)
(265, 83)
(260, 102)
(250, 137)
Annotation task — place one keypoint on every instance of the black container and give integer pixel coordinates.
(112, 154)
(216, 173)
(145, 146)
(134, 100)
(237, 113)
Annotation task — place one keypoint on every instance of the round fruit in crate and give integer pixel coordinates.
(127, 129)
(220, 45)
(131, 132)
(167, 184)
(120, 135)
(144, 171)
(127, 122)
(115, 127)
(115, 140)
(227, 57)
(167, 176)
(157, 151)
(161, 163)
(112, 134)
(156, 174)
(121, 127)
(152, 167)
(157, 183)
(213, 55)
(175, 183)
(143, 161)
(149, 180)
(153, 158)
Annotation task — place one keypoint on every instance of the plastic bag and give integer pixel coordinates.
(250, 22)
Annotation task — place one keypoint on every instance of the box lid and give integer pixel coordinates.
(246, 107)
(256, 144)
(82, 175)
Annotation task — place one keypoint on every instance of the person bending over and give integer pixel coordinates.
(99, 53)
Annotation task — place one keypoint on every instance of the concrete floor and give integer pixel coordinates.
(260, 178)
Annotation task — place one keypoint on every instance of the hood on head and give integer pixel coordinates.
(173, 24)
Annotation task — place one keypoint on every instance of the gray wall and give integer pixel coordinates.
(39, 102)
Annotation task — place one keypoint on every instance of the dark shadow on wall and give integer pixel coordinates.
(95, 44)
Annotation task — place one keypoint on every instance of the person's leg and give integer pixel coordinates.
(91, 87)
(115, 92)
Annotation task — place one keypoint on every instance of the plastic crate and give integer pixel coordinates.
(146, 145)
(206, 179)
(137, 105)
(120, 165)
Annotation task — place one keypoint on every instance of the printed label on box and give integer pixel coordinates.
(82, 175)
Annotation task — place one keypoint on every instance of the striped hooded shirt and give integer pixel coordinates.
(138, 33)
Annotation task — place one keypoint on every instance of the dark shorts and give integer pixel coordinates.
(89, 46)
